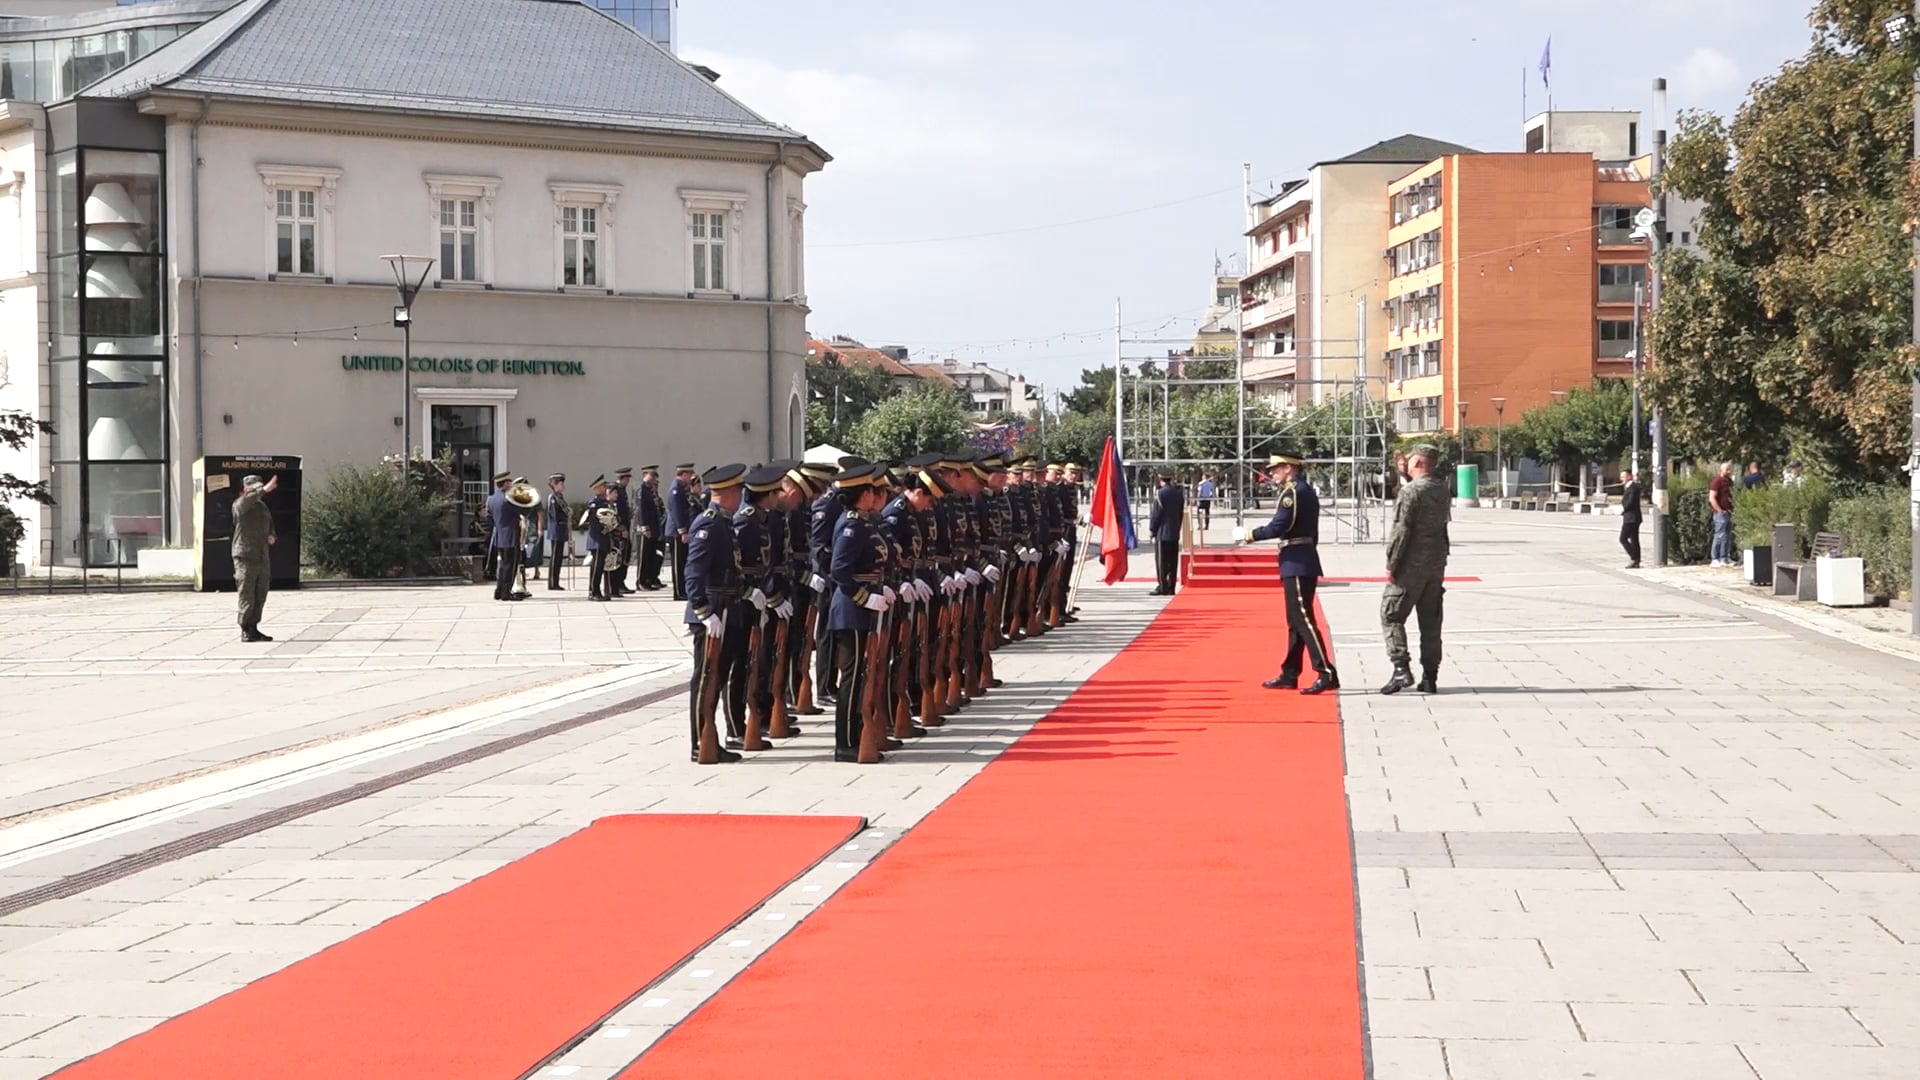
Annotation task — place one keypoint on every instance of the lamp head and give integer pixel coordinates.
(409, 275)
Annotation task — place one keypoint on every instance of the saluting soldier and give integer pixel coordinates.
(652, 512)
(716, 604)
(599, 539)
(1296, 524)
(680, 515)
(859, 597)
(759, 544)
(559, 528)
(253, 540)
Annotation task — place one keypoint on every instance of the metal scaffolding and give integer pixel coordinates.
(1338, 427)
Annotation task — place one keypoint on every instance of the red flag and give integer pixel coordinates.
(1109, 511)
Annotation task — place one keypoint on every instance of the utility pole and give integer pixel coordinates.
(1638, 300)
(1913, 456)
(1657, 550)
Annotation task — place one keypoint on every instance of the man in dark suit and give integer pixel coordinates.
(652, 512)
(1169, 511)
(680, 514)
(1630, 496)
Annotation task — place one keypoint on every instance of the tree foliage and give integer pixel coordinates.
(839, 395)
(17, 430)
(1591, 425)
(1790, 328)
(924, 418)
(370, 522)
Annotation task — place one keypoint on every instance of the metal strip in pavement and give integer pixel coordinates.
(207, 839)
(64, 830)
(78, 672)
(221, 658)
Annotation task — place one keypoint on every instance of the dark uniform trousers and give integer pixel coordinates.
(760, 692)
(732, 674)
(850, 661)
(796, 658)
(826, 666)
(597, 571)
(507, 569)
(1421, 597)
(1630, 538)
(1166, 560)
(652, 557)
(1303, 628)
(553, 562)
(255, 575)
(679, 549)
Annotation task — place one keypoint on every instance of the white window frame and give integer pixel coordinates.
(601, 198)
(324, 183)
(732, 204)
(426, 397)
(482, 190)
(797, 241)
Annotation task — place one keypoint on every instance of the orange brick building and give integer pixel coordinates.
(1510, 277)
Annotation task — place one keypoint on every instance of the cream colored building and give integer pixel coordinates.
(618, 248)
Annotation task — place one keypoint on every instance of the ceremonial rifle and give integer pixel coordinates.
(756, 669)
(873, 732)
(709, 699)
(782, 722)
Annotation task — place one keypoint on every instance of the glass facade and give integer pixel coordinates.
(56, 69)
(654, 18)
(106, 332)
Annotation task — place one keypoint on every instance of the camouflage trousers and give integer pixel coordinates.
(253, 575)
(1417, 595)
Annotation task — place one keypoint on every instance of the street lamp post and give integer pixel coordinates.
(1499, 447)
(409, 275)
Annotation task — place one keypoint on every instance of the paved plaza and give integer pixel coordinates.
(1643, 832)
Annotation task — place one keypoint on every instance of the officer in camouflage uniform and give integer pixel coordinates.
(1416, 568)
(252, 538)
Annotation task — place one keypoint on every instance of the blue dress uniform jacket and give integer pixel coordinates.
(713, 567)
(622, 507)
(597, 538)
(558, 527)
(821, 529)
(1169, 506)
(859, 560)
(652, 509)
(903, 525)
(756, 553)
(680, 511)
(506, 520)
(1296, 524)
(799, 553)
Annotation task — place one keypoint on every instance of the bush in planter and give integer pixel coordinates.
(1689, 523)
(1878, 533)
(372, 523)
(1756, 511)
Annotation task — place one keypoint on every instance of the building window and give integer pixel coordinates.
(297, 231)
(579, 245)
(459, 240)
(299, 219)
(713, 218)
(1616, 338)
(462, 216)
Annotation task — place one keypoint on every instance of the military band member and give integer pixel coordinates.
(253, 540)
(652, 512)
(623, 508)
(717, 604)
(1296, 524)
(859, 597)
(507, 552)
(490, 529)
(559, 528)
(680, 515)
(599, 539)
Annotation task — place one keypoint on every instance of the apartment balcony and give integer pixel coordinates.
(1608, 236)
(1616, 294)
(1257, 313)
(1264, 260)
(1268, 368)
(1415, 331)
(1616, 351)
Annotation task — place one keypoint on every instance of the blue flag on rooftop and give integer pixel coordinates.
(1546, 64)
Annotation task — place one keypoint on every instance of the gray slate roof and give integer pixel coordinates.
(1402, 150)
(543, 61)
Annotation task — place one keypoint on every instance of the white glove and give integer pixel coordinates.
(887, 591)
(1062, 547)
(819, 583)
(784, 609)
(991, 573)
(1029, 555)
(973, 576)
(759, 600)
(1243, 535)
(876, 602)
(715, 623)
(926, 591)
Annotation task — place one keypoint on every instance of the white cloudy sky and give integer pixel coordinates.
(1015, 117)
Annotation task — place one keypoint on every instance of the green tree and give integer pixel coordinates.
(839, 395)
(1791, 326)
(17, 429)
(924, 418)
(1094, 395)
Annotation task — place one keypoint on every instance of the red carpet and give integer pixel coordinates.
(1154, 882)
(488, 980)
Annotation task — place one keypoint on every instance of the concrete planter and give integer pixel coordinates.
(164, 562)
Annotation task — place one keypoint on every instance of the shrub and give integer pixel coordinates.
(1879, 533)
(371, 523)
(1689, 524)
(12, 531)
(1756, 511)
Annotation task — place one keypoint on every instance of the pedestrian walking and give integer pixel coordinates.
(253, 540)
(1169, 511)
(1720, 505)
(1296, 524)
(1630, 519)
(1208, 490)
(1416, 571)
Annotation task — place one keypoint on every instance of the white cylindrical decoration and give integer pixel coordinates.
(109, 203)
(114, 237)
(110, 279)
(112, 439)
(116, 374)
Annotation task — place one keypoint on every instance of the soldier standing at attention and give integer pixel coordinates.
(717, 604)
(653, 529)
(680, 515)
(1416, 569)
(599, 540)
(759, 543)
(490, 528)
(623, 540)
(1169, 510)
(1296, 524)
(253, 538)
(507, 552)
(559, 527)
(859, 558)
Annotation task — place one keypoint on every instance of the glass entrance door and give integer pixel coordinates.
(463, 436)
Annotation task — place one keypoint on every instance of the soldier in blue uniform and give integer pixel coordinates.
(623, 508)
(810, 484)
(505, 540)
(599, 541)
(1169, 512)
(905, 525)
(1296, 524)
(717, 603)
(680, 515)
(859, 597)
(759, 544)
(559, 527)
(652, 513)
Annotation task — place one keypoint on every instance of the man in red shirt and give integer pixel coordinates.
(1720, 501)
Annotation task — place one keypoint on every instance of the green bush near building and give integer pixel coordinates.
(12, 531)
(1756, 511)
(1689, 522)
(1878, 532)
(372, 523)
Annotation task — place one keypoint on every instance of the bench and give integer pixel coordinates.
(1795, 579)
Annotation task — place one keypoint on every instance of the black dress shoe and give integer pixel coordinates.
(736, 744)
(841, 753)
(815, 711)
(915, 731)
(1429, 685)
(1402, 678)
(1283, 682)
(556, 588)
(1327, 681)
(595, 597)
(792, 730)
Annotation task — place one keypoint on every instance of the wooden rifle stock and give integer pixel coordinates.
(872, 732)
(756, 670)
(710, 699)
(897, 690)
(930, 699)
(952, 671)
(809, 643)
(782, 724)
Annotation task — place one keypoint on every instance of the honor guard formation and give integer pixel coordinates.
(879, 591)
